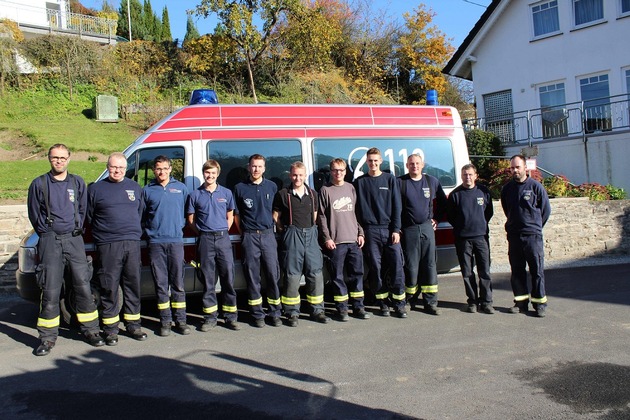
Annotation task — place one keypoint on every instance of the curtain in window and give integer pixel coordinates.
(588, 11)
(625, 6)
(546, 18)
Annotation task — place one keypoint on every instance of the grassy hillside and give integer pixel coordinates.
(31, 122)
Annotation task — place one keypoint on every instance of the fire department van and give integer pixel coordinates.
(313, 134)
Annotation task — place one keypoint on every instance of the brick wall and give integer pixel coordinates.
(577, 228)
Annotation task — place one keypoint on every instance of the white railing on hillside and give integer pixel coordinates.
(608, 114)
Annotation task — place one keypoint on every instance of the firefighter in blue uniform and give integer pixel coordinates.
(57, 203)
(114, 210)
(419, 219)
(164, 200)
(254, 219)
(469, 210)
(526, 205)
(210, 213)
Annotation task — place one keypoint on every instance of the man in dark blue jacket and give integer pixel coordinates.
(114, 210)
(526, 206)
(164, 200)
(469, 210)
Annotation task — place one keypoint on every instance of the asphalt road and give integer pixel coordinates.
(575, 363)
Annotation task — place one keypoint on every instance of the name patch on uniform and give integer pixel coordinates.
(221, 200)
(480, 201)
(383, 188)
(131, 194)
(71, 195)
(249, 203)
(427, 192)
(174, 191)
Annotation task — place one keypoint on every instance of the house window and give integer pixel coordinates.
(500, 115)
(545, 16)
(552, 109)
(625, 6)
(587, 11)
(595, 94)
(628, 81)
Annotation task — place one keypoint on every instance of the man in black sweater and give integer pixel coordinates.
(469, 210)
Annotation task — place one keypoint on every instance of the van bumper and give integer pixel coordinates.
(27, 286)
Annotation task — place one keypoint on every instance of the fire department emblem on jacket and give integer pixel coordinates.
(427, 192)
(480, 201)
(249, 203)
(131, 195)
(71, 195)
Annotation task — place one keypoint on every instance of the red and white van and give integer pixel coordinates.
(313, 134)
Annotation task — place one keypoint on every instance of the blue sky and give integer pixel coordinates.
(453, 17)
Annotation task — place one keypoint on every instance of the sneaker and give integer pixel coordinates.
(384, 310)
(320, 317)
(517, 310)
(401, 313)
(232, 325)
(292, 321)
(182, 328)
(343, 316)
(540, 312)
(472, 308)
(259, 322)
(275, 321)
(487, 309)
(208, 325)
(361, 314)
(111, 339)
(94, 339)
(165, 330)
(432, 310)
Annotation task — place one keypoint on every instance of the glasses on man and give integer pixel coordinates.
(338, 170)
(117, 168)
(61, 159)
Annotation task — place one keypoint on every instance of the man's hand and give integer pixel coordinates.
(330, 244)
(395, 237)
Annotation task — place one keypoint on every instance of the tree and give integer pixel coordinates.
(138, 30)
(422, 52)
(10, 35)
(71, 57)
(237, 18)
(166, 26)
(191, 31)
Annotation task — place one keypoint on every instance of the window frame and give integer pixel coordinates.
(549, 8)
(574, 7)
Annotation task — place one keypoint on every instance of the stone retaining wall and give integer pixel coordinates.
(577, 228)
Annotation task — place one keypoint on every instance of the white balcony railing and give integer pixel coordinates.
(606, 114)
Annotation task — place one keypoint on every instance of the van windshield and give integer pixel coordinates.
(234, 158)
(437, 152)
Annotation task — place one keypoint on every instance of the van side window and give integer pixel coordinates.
(140, 164)
(233, 156)
(438, 157)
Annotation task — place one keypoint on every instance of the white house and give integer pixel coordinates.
(555, 75)
(40, 17)
(35, 12)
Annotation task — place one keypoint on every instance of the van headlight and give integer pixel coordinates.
(27, 259)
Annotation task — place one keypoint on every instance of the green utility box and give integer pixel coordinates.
(105, 108)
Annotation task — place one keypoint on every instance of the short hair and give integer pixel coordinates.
(161, 159)
(373, 151)
(469, 166)
(116, 155)
(59, 146)
(256, 156)
(211, 164)
(338, 161)
(419, 154)
(519, 156)
(297, 165)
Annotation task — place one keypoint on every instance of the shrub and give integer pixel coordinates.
(615, 193)
(557, 186)
(484, 143)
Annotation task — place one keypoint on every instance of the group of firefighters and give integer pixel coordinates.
(286, 234)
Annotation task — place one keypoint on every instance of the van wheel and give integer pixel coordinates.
(67, 307)
(96, 293)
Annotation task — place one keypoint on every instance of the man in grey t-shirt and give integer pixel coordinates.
(343, 239)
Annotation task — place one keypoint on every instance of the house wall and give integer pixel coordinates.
(31, 12)
(508, 59)
(601, 158)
